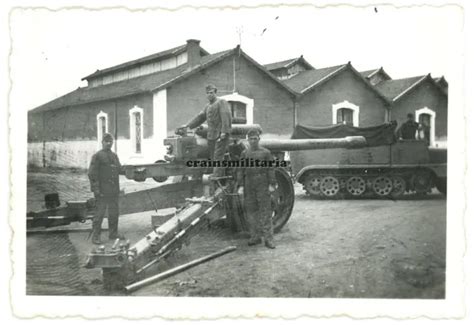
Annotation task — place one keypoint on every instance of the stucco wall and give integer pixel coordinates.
(67, 137)
(315, 108)
(77, 154)
(425, 95)
(80, 122)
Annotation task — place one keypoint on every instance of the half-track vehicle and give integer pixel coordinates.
(385, 167)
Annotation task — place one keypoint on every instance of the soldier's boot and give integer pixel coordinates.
(269, 243)
(96, 237)
(113, 229)
(116, 236)
(96, 229)
(254, 241)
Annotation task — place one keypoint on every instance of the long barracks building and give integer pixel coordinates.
(142, 101)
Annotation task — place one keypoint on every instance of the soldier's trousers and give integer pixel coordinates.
(258, 209)
(217, 151)
(109, 204)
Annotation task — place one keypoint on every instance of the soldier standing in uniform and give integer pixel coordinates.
(408, 129)
(257, 184)
(104, 179)
(219, 119)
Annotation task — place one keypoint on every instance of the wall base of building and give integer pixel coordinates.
(77, 154)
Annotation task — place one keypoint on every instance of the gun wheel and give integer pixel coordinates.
(330, 186)
(283, 199)
(356, 185)
(382, 186)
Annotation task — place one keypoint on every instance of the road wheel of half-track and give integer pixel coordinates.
(422, 182)
(312, 184)
(399, 186)
(330, 186)
(382, 186)
(441, 184)
(356, 186)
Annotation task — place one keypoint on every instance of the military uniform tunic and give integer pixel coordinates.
(257, 198)
(104, 172)
(408, 130)
(219, 120)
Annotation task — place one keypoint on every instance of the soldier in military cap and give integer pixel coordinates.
(257, 184)
(104, 179)
(408, 129)
(219, 119)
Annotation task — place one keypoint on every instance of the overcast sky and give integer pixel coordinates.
(52, 51)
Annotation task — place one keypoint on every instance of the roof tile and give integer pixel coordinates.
(278, 65)
(145, 59)
(307, 78)
(367, 73)
(393, 88)
(123, 88)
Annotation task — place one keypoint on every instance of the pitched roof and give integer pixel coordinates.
(368, 73)
(288, 63)
(441, 80)
(126, 65)
(147, 83)
(396, 89)
(306, 81)
(266, 72)
(393, 88)
(307, 78)
(127, 87)
(278, 65)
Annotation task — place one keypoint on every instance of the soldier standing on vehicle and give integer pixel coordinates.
(257, 185)
(408, 129)
(219, 119)
(104, 179)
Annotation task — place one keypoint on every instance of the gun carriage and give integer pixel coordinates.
(199, 200)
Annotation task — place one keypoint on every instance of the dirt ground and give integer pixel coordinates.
(329, 248)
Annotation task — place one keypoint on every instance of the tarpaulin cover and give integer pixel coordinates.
(375, 135)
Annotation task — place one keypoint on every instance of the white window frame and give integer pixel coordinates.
(249, 103)
(432, 114)
(131, 113)
(346, 104)
(160, 123)
(99, 129)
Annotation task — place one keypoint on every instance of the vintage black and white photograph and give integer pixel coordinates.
(256, 152)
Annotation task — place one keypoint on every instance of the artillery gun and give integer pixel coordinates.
(197, 205)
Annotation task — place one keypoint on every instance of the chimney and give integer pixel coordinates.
(194, 52)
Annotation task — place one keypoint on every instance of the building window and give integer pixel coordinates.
(345, 113)
(136, 129)
(427, 118)
(138, 132)
(344, 116)
(241, 108)
(239, 114)
(102, 126)
(425, 123)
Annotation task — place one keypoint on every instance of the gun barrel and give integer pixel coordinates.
(310, 144)
(237, 131)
